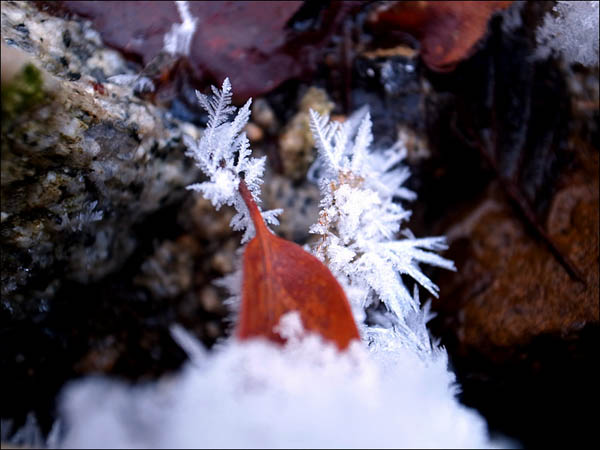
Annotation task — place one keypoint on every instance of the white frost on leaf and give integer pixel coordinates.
(359, 220)
(215, 154)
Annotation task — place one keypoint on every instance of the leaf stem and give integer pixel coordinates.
(257, 219)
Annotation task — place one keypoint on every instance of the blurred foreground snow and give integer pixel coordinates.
(258, 394)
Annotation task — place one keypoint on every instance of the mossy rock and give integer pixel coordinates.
(22, 93)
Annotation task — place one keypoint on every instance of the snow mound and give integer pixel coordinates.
(258, 394)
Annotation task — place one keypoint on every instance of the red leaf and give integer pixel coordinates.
(279, 277)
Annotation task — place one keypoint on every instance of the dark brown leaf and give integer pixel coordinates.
(448, 31)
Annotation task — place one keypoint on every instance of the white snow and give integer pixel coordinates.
(257, 394)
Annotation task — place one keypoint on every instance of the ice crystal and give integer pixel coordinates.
(80, 220)
(359, 220)
(571, 31)
(179, 38)
(215, 153)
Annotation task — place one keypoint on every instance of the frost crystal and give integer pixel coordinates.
(88, 214)
(359, 220)
(572, 31)
(215, 153)
(179, 38)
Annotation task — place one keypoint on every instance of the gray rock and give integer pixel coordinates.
(81, 166)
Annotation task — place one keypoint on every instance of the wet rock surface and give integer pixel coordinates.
(520, 329)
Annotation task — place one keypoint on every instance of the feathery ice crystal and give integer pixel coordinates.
(215, 155)
(570, 30)
(358, 222)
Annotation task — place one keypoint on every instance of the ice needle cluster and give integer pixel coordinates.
(215, 153)
(571, 30)
(359, 222)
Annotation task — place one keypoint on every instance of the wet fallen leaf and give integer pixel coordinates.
(280, 277)
(447, 31)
